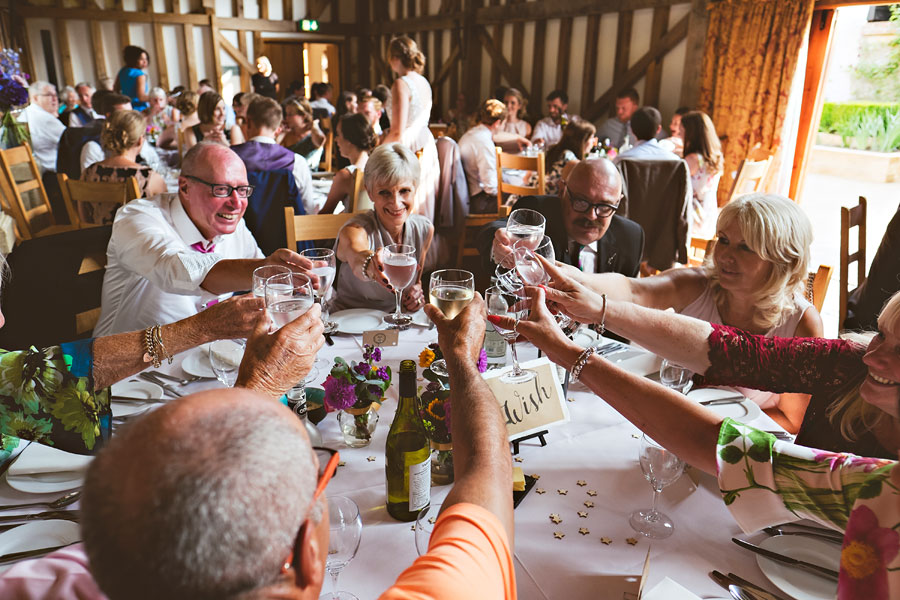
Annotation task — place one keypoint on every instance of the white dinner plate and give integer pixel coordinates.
(744, 411)
(794, 582)
(36, 535)
(358, 320)
(585, 337)
(45, 470)
(197, 362)
(133, 389)
(420, 318)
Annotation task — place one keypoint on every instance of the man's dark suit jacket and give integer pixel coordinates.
(619, 250)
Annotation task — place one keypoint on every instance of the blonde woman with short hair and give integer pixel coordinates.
(122, 138)
(479, 159)
(753, 279)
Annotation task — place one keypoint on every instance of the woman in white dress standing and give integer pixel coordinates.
(410, 109)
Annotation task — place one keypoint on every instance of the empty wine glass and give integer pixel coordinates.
(674, 376)
(450, 290)
(324, 267)
(400, 267)
(261, 274)
(345, 531)
(526, 226)
(225, 358)
(513, 304)
(425, 525)
(661, 467)
(288, 297)
(531, 271)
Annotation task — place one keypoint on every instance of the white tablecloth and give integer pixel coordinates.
(597, 446)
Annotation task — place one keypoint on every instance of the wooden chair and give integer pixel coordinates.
(179, 136)
(75, 191)
(301, 228)
(698, 250)
(33, 219)
(353, 202)
(474, 222)
(852, 217)
(817, 285)
(328, 147)
(438, 129)
(750, 177)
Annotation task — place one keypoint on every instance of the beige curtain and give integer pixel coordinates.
(749, 62)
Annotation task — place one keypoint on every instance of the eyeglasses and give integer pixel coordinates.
(329, 458)
(51, 94)
(581, 205)
(221, 190)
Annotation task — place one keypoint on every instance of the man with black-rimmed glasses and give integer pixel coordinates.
(172, 254)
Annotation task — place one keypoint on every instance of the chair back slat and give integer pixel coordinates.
(817, 285)
(751, 175)
(75, 191)
(326, 163)
(852, 217)
(34, 220)
(353, 201)
(301, 228)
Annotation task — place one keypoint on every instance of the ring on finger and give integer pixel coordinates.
(516, 326)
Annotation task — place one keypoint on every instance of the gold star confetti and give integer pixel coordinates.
(581, 483)
(589, 504)
(541, 491)
(583, 530)
(635, 436)
(592, 492)
(562, 492)
(412, 527)
(571, 399)
(631, 541)
(342, 463)
(606, 540)
(535, 476)
(518, 459)
(583, 514)
(370, 458)
(432, 520)
(555, 518)
(559, 535)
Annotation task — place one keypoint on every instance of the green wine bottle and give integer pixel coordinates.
(407, 454)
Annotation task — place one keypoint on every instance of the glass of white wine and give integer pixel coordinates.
(450, 290)
(323, 266)
(400, 267)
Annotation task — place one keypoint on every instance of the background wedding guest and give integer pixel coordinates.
(68, 101)
(646, 123)
(548, 130)
(515, 114)
(302, 134)
(703, 154)
(186, 105)
(577, 140)
(84, 113)
(43, 123)
(347, 103)
(265, 80)
(122, 138)
(356, 139)
(211, 113)
(616, 128)
(132, 79)
(320, 99)
(372, 108)
(479, 157)
(675, 142)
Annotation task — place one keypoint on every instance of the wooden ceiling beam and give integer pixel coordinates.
(497, 57)
(235, 53)
(448, 66)
(427, 23)
(536, 11)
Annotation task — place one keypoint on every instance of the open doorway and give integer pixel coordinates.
(855, 150)
(303, 62)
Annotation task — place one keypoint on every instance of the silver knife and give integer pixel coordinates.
(149, 377)
(728, 400)
(788, 560)
(14, 556)
(129, 399)
(69, 515)
(834, 537)
(755, 588)
(814, 529)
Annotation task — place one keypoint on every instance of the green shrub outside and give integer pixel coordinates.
(863, 125)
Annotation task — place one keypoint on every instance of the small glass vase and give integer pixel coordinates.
(358, 425)
(441, 464)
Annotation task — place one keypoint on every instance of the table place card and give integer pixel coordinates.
(531, 406)
(381, 337)
(669, 590)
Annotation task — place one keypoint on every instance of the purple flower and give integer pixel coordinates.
(372, 354)
(338, 393)
(362, 368)
(383, 374)
(433, 386)
(482, 361)
(12, 93)
(447, 406)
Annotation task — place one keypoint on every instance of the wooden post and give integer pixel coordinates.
(518, 44)
(99, 53)
(161, 65)
(623, 47)
(263, 9)
(242, 48)
(536, 98)
(65, 51)
(589, 74)
(653, 78)
(820, 36)
(189, 56)
(287, 10)
(472, 58)
(124, 34)
(364, 46)
(565, 49)
(216, 50)
(498, 39)
(693, 56)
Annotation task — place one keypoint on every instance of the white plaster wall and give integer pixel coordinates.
(849, 22)
(82, 54)
(173, 39)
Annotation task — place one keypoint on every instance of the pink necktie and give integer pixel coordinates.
(198, 246)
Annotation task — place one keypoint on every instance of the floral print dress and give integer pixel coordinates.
(765, 482)
(48, 396)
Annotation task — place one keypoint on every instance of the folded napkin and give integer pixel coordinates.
(669, 590)
(38, 458)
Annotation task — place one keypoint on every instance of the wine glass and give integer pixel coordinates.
(260, 274)
(661, 467)
(509, 303)
(288, 297)
(324, 267)
(526, 226)
(531, 271)
(425, 525)
(450, 290)
(400, 267)
(345, 531)
(225, 359)
(674, 376)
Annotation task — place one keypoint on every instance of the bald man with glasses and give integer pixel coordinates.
(171, 255)
(581, 222)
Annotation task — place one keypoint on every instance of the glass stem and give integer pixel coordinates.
(653, 514)
(334, 588)
(397, 295)
(324, 310)
(512, 349)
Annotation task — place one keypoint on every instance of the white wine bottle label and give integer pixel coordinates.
(420, 484)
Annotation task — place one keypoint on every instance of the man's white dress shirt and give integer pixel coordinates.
(587, 257)
(74, 121)
(153, 275)
(45, 130)
(323, 103)
(548, 130)
(92, 153)
(312, 202)
(479, 159)
(649, 149)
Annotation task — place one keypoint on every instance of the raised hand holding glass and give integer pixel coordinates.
(400, 268)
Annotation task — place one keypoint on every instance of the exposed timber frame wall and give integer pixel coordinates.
(591, 49)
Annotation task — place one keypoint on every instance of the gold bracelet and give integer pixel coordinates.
(581, 361)
(157, 334)
(365, 267)
(603, 316)
(150, 354)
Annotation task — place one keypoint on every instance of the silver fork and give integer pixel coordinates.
(192, 379)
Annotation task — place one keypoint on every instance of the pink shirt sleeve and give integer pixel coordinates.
(61, 575)
(468, 557)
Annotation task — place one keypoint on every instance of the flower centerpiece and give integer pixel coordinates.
(13, 94)
(356, 390)
(434, 408)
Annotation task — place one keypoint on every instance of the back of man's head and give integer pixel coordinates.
(107, 102)
(317, 90)
(264, 113)
(202, 498)
(645, 123)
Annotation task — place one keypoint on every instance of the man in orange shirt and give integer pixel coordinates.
(207, 497)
